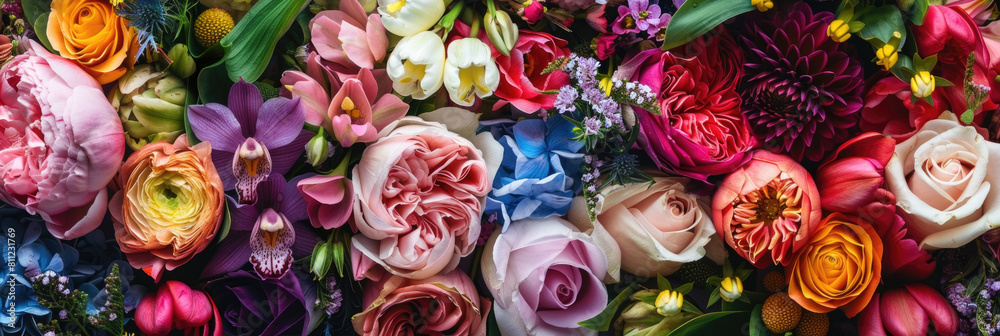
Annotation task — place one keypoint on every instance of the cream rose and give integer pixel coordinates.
(658, 227)
(943, 182)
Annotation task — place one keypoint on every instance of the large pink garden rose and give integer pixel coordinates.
(60, 142)
(419, 194)
(445, 304)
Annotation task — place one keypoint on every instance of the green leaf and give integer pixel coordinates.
(685, 288)
(974, 284)
(727, 269)
(251, 43)
(919, 11)
(43, 36)
(602, 321)
(718, 323)
(35, 8)
(213, 84)
(941, 82)
(224, 226)
(903, 62)
(690, 308)
(713, 298)
(697, 17)
(881, 22)
(757, 327)
(647, 295)
(662, 283)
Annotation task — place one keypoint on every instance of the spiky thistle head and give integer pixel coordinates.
(148, 17)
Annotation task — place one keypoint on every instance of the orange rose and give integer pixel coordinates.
(90, 33)
(170, 205)
(839, 268)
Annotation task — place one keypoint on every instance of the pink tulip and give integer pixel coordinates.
(330, 199)
(348, 37)
(902, 259)
(906, 311)
(61, 143)
(177, 306)
(848, 179)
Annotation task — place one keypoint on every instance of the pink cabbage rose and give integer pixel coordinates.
(943, 178)
(908, 311)
(767, 209)
(60, 142)
(348, 37)
(546, 276)
(658, 226)
(521, 78)
(419, 194)
(445, 304)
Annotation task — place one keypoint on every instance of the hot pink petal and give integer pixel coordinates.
(870, 319)
(902, 315)
(940, 311)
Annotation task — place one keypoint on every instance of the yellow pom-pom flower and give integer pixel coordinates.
(922, 84)
(211, 26)
(838, 30)
(762, 5)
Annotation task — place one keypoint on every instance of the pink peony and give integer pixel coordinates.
(62, 142)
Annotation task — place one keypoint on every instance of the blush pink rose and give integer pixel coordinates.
(61, 142)
(546, 276)
(445, 304)
(521, 78)
(419, 195)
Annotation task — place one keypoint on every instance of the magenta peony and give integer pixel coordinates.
(61, 142)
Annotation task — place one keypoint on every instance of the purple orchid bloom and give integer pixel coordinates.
(639, 16)
(275, 227)
(254, 137)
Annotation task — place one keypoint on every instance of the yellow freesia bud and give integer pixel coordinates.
(762, 5)
(922, 84)
(887, 56)
(731, 288)
(838, 30)
(669, 303)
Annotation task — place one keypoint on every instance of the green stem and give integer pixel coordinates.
(491, 7)
(477, 260)
(474, 33)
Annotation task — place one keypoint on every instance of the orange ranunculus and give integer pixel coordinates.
(90, 33)
(170, 205)
(839, 268)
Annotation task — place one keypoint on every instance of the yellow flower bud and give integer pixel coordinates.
(838, 30)
(887, 56)
(762, 5)
(669, 303)
(922, 84)
(731, 288)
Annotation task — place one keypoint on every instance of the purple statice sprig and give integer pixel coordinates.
(601, 109)
(330, 297)
(56, 293)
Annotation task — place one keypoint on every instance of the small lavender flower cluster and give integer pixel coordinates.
(987, 316)
(331, 297)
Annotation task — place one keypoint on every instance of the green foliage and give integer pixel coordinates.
(251, 43)
(881, 23)
(696, 17)
(602, 321)
(718, 323)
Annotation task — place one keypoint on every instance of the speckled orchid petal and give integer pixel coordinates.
(251, 165)
(270, 243)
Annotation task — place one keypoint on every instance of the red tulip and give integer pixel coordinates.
(905, 311)
(177, 306)
(848, 179)
(903, 261)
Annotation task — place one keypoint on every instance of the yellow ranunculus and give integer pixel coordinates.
(90, 33)
(170, 205)
(839, 268)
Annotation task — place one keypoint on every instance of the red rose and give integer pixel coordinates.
(521, 78)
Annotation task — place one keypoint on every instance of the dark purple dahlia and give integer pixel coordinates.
(802, 90)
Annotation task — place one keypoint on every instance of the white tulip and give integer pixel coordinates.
(410, 17)
(416, 65)
(470, 71)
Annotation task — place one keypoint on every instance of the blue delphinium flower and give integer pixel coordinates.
(540, 171)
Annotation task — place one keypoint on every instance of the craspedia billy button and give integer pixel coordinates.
(781, 314)
(774, 281)
(211, 26)
(812, 324)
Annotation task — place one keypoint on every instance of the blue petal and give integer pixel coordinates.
(33, 254)
(535, 167)
(560, 137)
(530, 136)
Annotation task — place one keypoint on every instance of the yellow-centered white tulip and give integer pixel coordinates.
(416, 66)
(410, 17)
(470, 71)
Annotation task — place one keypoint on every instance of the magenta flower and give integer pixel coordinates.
(254, 137)
(639, 16)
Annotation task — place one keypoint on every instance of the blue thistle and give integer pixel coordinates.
(148, 17)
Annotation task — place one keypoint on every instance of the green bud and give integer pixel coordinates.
(501, 31)
(321, 259)
(151, 105)
(339, 257)
(183, 64)
(317, 149)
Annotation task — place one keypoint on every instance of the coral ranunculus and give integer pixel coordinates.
(701, 131)
(767, 209)
(60, 142)
(90, 33)
(170, 205)
(840, 267)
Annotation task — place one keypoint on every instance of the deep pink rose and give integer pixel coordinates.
(521, 78)
(701, 130)
(330, 199)
(445, 304)
(419, 196)
(546, 276)
(61, 142)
